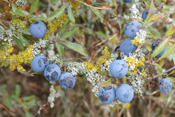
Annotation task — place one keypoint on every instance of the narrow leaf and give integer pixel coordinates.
(76, 47)
(64, 27)
(106, 84)
(168, 52)
(18, 43)
(70, 14)
(161, 47)
(38, 18)
(60, 50)
(69, 34)
(98, 13)
(57, 13)
(34, 6)
(151, 9)
(17, 12)
(170, 31)
(154, 18)
(159, 68)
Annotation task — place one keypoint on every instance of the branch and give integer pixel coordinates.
(163, 73)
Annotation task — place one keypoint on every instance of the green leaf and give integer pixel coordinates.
(24, 31)
(7, 102)
(122, 2)
(161, 47)
(70, 14)
(28, 114)
(171, 72)
(63, 29)
(168, 52)
(17, 12)
(69, 34)
(101, 34)
(28, 98)
(106, 84)
(13, 7)
(154, 18)
(170, 31)
(57, 13)
(154, 32)
(30, 104)
(39, 18)
(159, 68)
(19, 43)
(22, 39)
(60, 50)
(161, 63)
(147, 3)
(2, 46)
(98, 13)
(150, 10)
(76, 47)
(17, 91)
(34, 6)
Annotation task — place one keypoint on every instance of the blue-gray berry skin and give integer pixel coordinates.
(124, 93)
(145, 14)
(38, 29)
(132, 28)
(118, 68)
(52, 72)
(165, 86)
(154, 45)
(127, 47)
(106, 95)
(39, 63)
(67, 81)
(127, 1)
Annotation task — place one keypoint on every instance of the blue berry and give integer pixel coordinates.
(132, 28)
(145, 14)
(165, 86)
(67, 81)
(127, 47)
(154, 45)
(38, 29)
(118, 68)
(106, 95)
(127, 1)
(39, 63)
(124, 93)
(52, 72)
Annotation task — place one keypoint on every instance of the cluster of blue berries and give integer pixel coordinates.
(52, 72)
(124, 92)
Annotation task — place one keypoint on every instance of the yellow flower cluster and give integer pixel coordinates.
(131, 62)
(75, 5)
(21, 24)
(18, 23)
(55, 25)
(90, 66)
(14, 61)
(135, 41)
(106, 53)
(99, 62)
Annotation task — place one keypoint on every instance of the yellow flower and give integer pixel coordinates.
(130, 61)
(136, 41)
(75, 5)
(106, 53)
